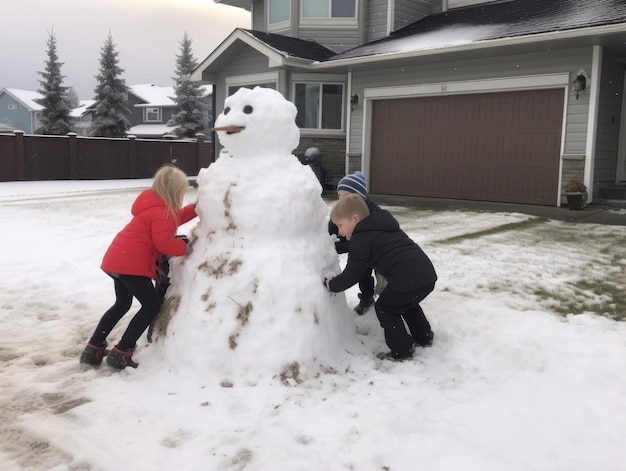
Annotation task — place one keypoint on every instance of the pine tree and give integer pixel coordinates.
(191, 117)
(55, 116)
(110, 115)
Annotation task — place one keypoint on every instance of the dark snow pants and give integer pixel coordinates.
(127, 286)
(394, 308)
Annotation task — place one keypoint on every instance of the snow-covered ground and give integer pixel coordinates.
(508, 385)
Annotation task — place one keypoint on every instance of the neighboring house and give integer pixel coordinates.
(152, 106)
(18, 109)
(484, 100)
(81, 117)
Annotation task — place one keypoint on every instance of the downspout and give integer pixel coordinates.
(444, 5)
(348, 121)
(592, 121)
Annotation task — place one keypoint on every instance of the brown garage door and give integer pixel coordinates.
(488, 147)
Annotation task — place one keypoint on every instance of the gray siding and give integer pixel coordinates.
(464, 3)
(335, 39)
(258, 16)
(609, 111)
(376, 20)
(562, 61)
(409, 11)
(20, 119)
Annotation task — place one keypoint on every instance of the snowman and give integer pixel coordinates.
(248, 302)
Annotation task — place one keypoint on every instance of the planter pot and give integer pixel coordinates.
(576, 200)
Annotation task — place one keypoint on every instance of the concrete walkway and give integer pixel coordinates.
(605, 212)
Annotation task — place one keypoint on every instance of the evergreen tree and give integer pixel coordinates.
(55, 116)
(191, 117)
(110, 115)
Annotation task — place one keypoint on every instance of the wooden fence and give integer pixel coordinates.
(36, 157)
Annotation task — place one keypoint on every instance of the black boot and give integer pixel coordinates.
(364, 304)
(120, 359)
(93, 354)
(397, 356)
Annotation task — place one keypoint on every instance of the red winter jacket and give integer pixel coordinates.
(136, 248)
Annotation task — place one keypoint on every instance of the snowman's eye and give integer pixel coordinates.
(247, 109)
(227, 110)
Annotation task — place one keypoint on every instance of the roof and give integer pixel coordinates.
(292, 47)
(495, 21)
(82, 108)
(25, 97)
(150, 130)
(280, 51)
(154, 95)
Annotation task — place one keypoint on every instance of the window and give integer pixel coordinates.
(319, 105)
(12, 106)
(279, 11)
(328, 8)
(152, 115)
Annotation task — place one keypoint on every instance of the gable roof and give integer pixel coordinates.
(153, 95)
(83, 107)
(280, 51)
(496, 23)
(25, 97)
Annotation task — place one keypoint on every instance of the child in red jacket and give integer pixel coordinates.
(131, 260)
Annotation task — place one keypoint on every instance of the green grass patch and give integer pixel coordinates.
(513, 226)
(597, 296)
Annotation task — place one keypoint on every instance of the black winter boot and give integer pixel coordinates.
(364, 304)
(93, 354)
(120, 359)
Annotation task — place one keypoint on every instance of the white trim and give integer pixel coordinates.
(620, 174)
(348, 121)
(300, 77)
(242, 80)
(564, 156)
(391, 12)
(470, 86)
(592, 119)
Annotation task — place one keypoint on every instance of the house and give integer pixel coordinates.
(484, 100)
(18, 109)
(152, 106)
(81, 117)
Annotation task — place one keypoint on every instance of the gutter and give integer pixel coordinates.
(486, 44)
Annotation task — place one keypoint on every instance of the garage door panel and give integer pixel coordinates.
(494, 146)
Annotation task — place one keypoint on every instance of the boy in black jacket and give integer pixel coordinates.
(376, 241)
(355, 183)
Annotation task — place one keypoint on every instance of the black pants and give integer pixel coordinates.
(394, 308)
(127, 286)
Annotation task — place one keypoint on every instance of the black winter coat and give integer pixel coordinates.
(342, 244)
(378, 242)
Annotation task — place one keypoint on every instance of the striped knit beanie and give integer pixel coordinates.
(354, 183)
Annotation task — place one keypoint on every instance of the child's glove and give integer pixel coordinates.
(327, 284)
(334, 238)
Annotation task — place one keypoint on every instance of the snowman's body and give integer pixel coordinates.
(249, 302)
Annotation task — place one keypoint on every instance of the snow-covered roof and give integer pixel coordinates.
(26, 98)
(150, 130)
(493, 21)
(155, 95)
(83, 106)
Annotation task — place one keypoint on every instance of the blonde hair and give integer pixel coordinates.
(170, 183)
(348, 206)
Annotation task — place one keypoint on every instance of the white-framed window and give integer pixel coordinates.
(319, 104)
(152, 115)
(329, 9)
(278, 13)
(12, 106)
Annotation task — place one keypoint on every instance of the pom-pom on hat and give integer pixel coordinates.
(354, 183)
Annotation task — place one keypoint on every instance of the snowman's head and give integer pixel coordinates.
(257, 122)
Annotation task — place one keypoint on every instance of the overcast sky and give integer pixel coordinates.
(147, 35)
